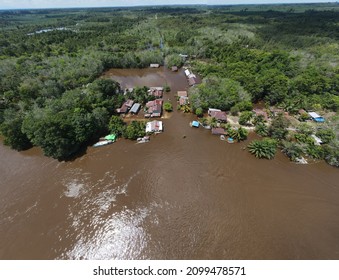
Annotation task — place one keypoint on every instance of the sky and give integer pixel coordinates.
(31, 4)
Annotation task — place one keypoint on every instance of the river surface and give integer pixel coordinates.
(173, 198)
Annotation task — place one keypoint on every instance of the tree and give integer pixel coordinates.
(261, 129)
(245, 117)
(265, 148)
(135, 130)
(11, 130)
(238, 134)
(199, 112)
(168, 106)
(116, 126)
(173, 60)
(278, 129)
(292, 150)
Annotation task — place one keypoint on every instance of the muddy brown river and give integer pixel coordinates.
(173, 198)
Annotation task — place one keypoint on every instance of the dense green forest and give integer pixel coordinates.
(50, 61)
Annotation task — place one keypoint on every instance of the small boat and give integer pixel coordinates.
(230, 140)
(222, 138)
(144, 139)
(194, 124)
(103, 143)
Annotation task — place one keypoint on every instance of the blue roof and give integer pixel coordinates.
(195, 123)
(319, 119)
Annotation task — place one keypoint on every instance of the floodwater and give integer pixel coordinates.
(173, 198)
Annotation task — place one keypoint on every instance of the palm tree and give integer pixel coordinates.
(238, 134)
(261, 129)
(265, 148)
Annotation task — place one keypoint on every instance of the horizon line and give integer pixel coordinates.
(172, 5)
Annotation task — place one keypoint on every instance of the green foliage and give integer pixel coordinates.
(134, 130)
(238, 134)
(217, 93)
(167, 88)
(292, 150)
(234, 110)
(304, 138)
(199, 112)
(305, 128)
(168, 106)
(245, 117)
(265, 148)
(331, 153)
(173, 60)
(11, 130)
(261, 129)
(278, 129)
(326, 135)
(116, 126)
(314, 151)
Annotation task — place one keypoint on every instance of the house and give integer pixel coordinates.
(154, 126)
(154, 65)
(316, 117)
(260, 112)
(218, 131)
(187, 72)
(153, 108)
(183, 100)
(192, 81)
(125, 107)
(174, 68)
(156, 91)
(219, 116)
(129, 103)
(135, 108)
(182, 93)
(123, 110)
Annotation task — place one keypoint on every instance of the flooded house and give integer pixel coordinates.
(182, 93)
(157, 92)
(260, 112)
(135, 108)
(153, 108)
(125, 107)
(218, 131)
(219, 115)
(154, 127)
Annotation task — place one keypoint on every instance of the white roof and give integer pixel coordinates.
(214, 110)
(187, 72)
(314, 115)
(154, 126)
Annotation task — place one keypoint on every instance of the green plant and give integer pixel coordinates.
(168, 106)
(265, 148)
(238, 134)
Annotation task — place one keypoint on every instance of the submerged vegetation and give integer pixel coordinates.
(282, 55)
